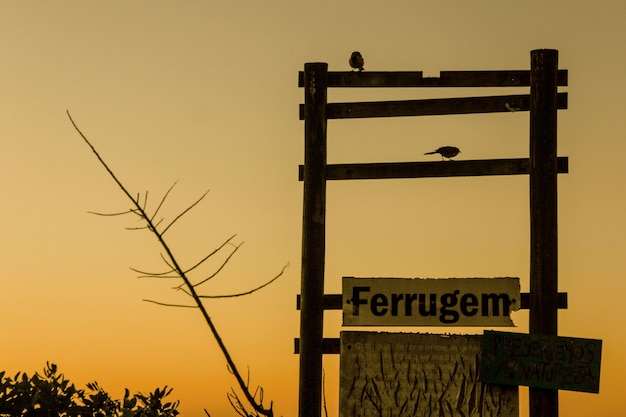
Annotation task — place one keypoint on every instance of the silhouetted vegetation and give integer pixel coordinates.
(52, 395)
(252, 403)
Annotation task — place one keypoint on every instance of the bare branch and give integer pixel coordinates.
(250, 291)
(111, 214)
(184, 211)
(153, 274)
(145, 201)
(138, 228)
(157, 223)
(247, 374)
(99, 158)
(168, 304)
(221, 266)
(175, 266)
(172, 262)
(157, 276)
(200, 262)
(210, 254)
(163, 201)
(183, 290)
(235, 402)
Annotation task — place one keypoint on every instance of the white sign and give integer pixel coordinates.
(429, 302)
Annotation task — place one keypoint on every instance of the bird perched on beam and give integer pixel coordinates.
(446, 152)
(356, 61)
(511, 107)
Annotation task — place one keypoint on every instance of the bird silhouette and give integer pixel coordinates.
(356, 61)
(511, 107)
(446, 152)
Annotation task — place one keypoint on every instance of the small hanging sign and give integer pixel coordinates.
(541, 361)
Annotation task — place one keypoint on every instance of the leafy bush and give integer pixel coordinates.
(51, 395)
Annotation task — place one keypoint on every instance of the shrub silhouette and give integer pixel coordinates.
(52, 395)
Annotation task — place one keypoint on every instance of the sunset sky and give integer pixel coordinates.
(205, 93)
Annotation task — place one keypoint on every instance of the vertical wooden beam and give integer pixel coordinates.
(543, 212)
(313, 239)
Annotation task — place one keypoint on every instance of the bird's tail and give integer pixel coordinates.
(430, 153)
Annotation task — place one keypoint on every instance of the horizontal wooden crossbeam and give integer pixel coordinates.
(335, 302)
(432, 107)
(445, 79)
(389, 170)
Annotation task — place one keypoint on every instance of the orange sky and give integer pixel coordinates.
(206, 93)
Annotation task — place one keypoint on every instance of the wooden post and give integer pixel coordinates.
(313, 240)
(543, 212)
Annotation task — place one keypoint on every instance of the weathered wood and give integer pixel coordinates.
(446, 79)
(418, 375)
(335, 301)
(432, 107)
(313, 240)
(330, 345)
(388, 170)
(543, 77)
(543, 213)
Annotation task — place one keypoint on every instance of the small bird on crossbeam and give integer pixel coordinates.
(446, 152)
(356, 61)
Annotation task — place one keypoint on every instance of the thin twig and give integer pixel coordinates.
(184, 211)
(100, 159)
(163, 201)
(221, 266)
(210, 254)
(145, 201)
(111, 214)
(167, 304)
(138, 228)
(173, 267)
(145, 274)
(250, 291)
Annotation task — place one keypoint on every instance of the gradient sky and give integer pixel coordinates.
(205, 92)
